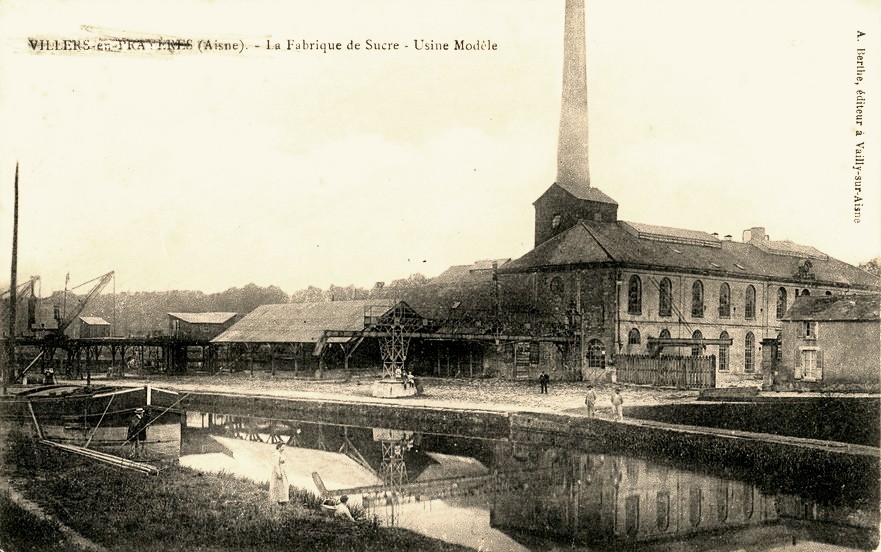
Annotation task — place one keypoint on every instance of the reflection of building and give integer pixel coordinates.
(830, 341)
(606, 499)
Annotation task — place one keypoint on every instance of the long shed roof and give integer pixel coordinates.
(300, 322)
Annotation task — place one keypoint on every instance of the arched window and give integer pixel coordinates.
(723, 352)
(749, 307)
(722, 500)
(694, 506)
(665, 299)
(724, 301)
(749, 344)
(805, 292)
(662, 509)
(665, 333)
(556, 287)
(696, 349)
(697, 299)
(747, 502)
(596, 354)
(633, 337)
(634, 295)
(781, 302)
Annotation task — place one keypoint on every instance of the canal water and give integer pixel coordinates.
(498, 495)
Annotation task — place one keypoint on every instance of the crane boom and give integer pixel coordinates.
(103, 280)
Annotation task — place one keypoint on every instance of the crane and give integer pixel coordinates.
(100, 283)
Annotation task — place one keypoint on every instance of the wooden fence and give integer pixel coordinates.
(690, 372)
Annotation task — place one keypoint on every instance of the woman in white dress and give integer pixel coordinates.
(278, 479)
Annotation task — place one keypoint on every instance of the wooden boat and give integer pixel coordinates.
(99, 416)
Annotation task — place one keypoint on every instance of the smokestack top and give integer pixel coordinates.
(572, 158)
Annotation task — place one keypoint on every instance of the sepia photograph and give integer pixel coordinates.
(441, 275)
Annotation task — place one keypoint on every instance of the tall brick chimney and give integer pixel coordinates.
(571, 198)
(572, 169)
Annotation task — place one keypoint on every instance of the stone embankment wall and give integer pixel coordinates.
(844, 419)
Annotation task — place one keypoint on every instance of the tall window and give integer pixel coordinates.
(749, 310)
(697, 299)
(694, 506)
(596, 354)
(631, 515)
(665, 299)
(749, 344)
(633, 337)
(812, 364)
(662, 509)
(556, 287)
(696, 349)
(781, 302)
(724, 301)
(634, 295)
(723, 352)
(722, 500)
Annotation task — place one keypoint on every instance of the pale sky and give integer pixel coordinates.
(207, 171)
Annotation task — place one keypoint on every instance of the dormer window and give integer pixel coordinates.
(555, 222)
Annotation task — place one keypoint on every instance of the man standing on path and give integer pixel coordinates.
(617, 402)
(590, 401)
(543, 382)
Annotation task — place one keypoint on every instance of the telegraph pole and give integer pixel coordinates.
(9, 367)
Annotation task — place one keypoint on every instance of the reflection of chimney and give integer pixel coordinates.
(756, 233)
(572, 147)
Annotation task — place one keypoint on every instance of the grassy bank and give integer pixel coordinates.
(22, 531)
(182, 509)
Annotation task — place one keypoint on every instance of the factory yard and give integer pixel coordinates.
(484, 394)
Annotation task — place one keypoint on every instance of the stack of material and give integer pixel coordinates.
(104, 457)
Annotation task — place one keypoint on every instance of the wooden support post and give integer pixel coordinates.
(272, 358)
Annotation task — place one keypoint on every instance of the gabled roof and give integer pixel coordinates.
(94, 321)
(300, 322)
(475, 272)
(203, 317)
(588, 193)
(617, 244)
(835, 308)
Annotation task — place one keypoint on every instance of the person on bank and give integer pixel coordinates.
(137, 434)
(590, 401)
(543, 382)
(342, 511)
(279, 488)
(617, 405)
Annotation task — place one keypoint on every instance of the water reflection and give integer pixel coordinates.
(501, 495)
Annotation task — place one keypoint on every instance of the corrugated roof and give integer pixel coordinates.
(835, 307)
(614, 243)
(203, 317)
(94, 321)
(300, 322)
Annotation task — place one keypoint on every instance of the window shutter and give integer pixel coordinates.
(798, 372)
(820, 364)
(816, 330)
(800, 329)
